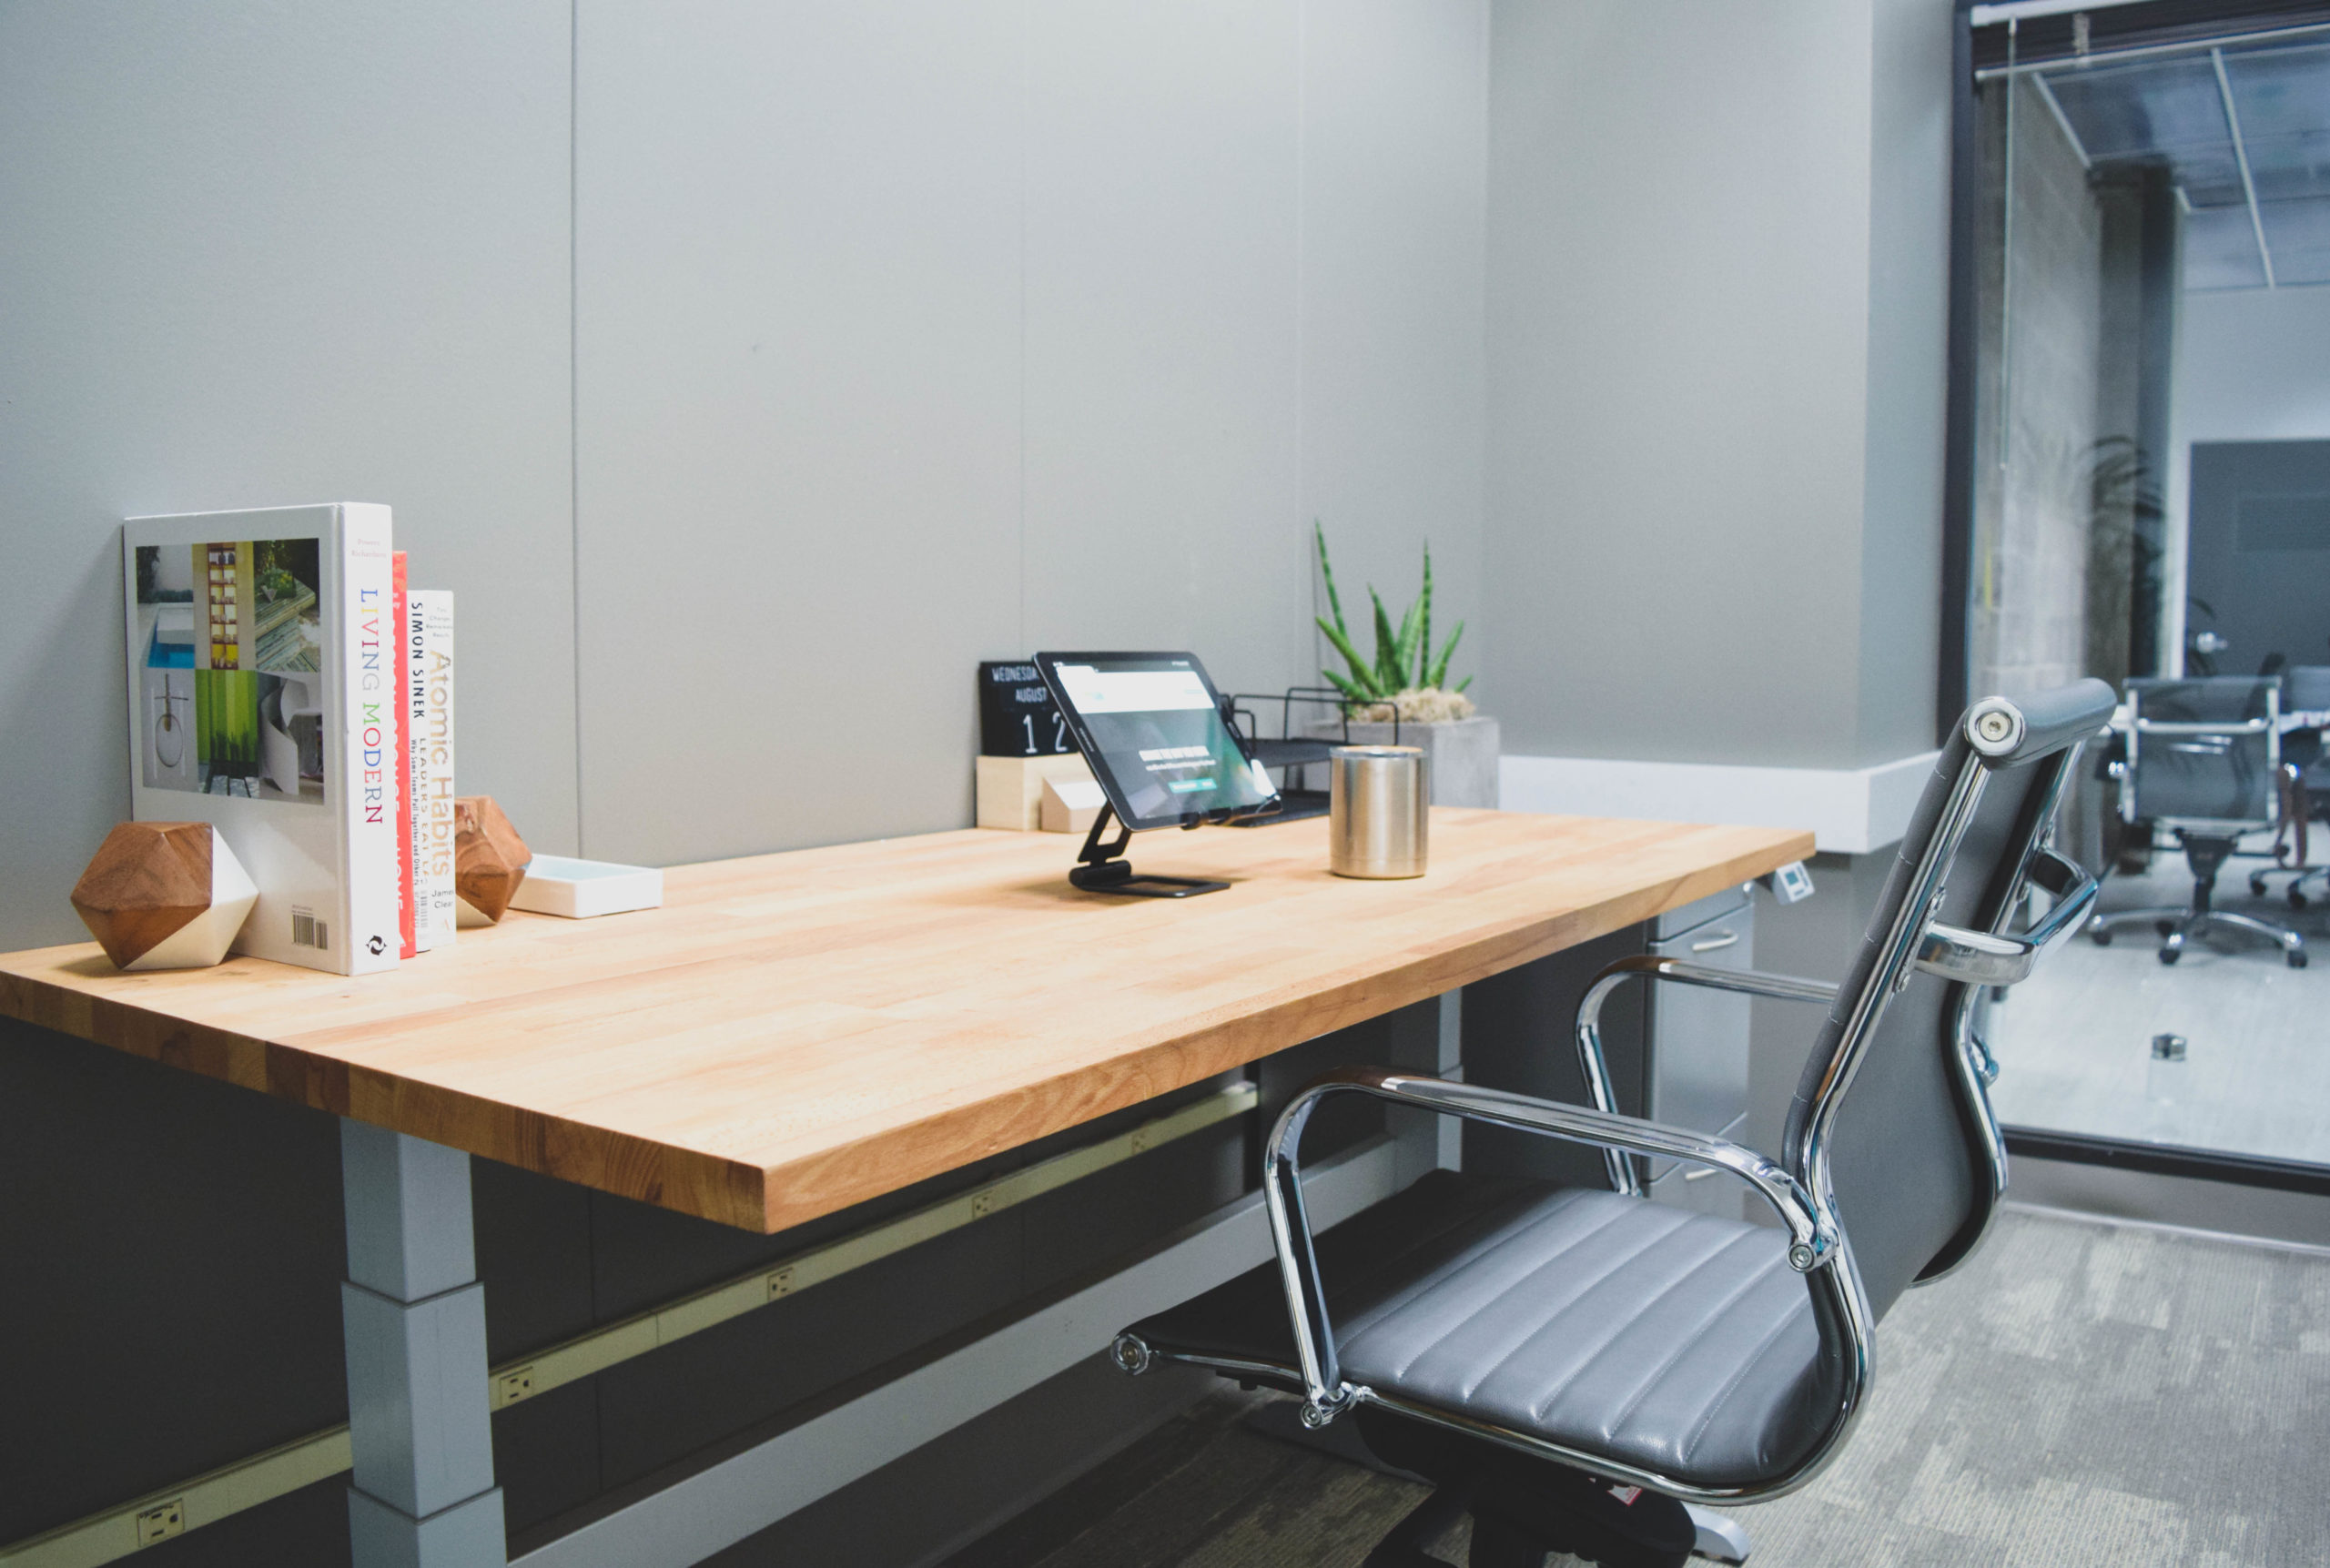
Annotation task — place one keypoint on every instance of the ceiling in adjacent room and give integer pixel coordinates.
(2246, 130)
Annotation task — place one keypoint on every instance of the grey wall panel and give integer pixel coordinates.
(797, 328)
(1677, 348)
(1909, 342)
(1161, 354)
(910, 335)
(264, 254)
(1395, 215)
(1716, 367)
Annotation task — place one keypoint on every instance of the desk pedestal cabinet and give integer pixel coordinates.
(1680, 1056)
(1694, 1060)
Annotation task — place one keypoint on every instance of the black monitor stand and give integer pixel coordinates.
(1099, 869)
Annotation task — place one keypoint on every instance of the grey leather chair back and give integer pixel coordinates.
(2221, 777)
(1913, 1155)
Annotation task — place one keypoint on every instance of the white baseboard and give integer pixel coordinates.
(1849, 811)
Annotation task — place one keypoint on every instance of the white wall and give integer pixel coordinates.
(750, 370)
(260, 254)
(1718, 319)
(2252, 365)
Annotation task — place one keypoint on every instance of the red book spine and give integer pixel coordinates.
(401, 615)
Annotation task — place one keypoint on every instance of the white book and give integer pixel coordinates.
(579, 889)
(430, 614)
(262, 700)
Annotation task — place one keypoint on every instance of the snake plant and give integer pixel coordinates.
(1405, 661)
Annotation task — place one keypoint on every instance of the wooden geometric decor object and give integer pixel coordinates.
(489, 862)
(164, 896)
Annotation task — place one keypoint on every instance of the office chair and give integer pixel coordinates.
(2305, 781)
(2204, 760)
(1573, 1366)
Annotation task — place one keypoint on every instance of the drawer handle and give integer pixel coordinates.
(1698, 1173)
(1716, 943)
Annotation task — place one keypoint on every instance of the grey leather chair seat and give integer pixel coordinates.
(1676, 1341)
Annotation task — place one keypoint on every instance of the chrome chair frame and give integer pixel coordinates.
(2179, 924)
(1803, 1196)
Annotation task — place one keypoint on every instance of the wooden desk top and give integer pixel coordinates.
(792, 1033)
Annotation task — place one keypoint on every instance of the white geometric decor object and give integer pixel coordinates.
(164, 896)
(1070, 803)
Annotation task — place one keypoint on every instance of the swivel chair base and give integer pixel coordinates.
(1718, 1537)
(2206, 854)
(1523, 1508)
(2296, 891)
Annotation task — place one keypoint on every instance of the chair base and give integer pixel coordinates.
(1522, 1508)
(2206, 852)
(2177, 927)
(2299, 876)
(1719, 1537)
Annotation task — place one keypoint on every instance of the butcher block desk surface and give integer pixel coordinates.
(792, 1033)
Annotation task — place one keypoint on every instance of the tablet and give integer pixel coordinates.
(1150, 724)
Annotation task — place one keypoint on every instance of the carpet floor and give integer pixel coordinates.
(2078, 1393)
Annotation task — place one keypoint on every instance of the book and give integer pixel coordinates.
(403, 641)
(579, 889)
(262, 701)
(429, 648)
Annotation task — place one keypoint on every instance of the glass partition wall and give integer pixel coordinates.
(2150, 501)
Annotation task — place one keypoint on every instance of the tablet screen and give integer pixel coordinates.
(1151, 727)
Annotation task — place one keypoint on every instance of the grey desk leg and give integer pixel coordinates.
(1429, 1142)
(413, 1316)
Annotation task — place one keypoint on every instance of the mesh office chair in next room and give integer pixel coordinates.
(2205, 761)
(1571, 1366)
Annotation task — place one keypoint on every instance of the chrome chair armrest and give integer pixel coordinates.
(1813, 1237)
(1989, 959)
(1588, 1023)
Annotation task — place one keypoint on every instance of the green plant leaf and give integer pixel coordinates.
(1347, 688)
(1361, 671)
(1440, 671)
(1387, 645)
(1464, 683)
(1405, 656)
(1334, 600)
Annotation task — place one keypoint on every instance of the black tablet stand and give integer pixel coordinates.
(1099, 869)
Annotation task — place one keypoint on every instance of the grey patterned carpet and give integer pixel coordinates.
(2078, 1393)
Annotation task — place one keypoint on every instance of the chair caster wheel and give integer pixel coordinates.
(2169, 954)
(2297, 899)
(2165, 928)
(2256, 885)
(2100, 936)
(2297, 960)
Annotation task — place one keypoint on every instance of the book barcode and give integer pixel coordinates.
(307, 931)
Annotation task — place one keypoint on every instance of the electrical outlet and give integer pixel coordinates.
(780, 1283)
(1140, 1137)
(517, 1383)
(161, 1522)
(982, 1204)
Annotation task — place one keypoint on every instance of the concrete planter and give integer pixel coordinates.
(1462, 755)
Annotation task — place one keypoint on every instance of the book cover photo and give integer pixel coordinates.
(262, 700)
